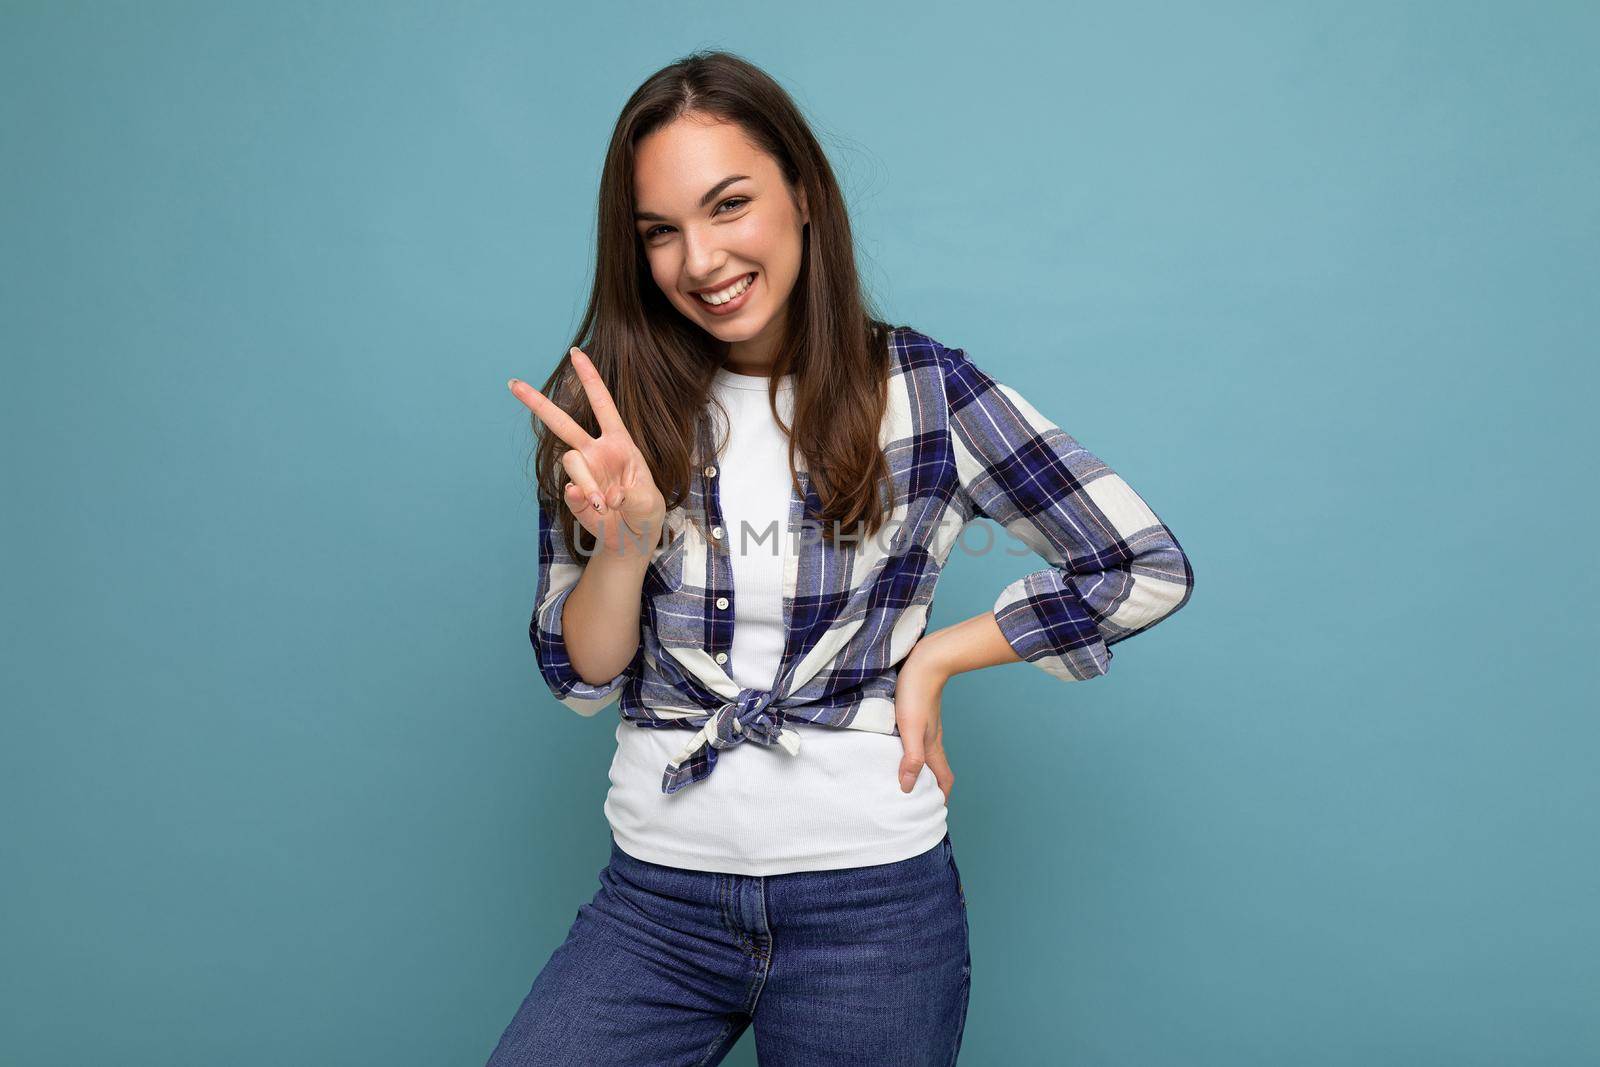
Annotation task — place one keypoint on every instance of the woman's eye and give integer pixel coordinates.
(736, 201)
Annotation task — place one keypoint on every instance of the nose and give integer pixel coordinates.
(702, 259)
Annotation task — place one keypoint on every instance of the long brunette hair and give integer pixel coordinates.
(659, 366)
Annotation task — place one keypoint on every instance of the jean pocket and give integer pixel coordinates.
(955, 872)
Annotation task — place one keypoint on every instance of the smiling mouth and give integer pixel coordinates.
(737, 292)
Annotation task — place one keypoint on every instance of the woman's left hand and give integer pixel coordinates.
(917, 715)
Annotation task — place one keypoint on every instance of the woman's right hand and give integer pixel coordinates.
(610, 491)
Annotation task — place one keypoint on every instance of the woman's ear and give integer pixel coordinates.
(805, 215)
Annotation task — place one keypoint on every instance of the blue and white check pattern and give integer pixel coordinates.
(960, 446)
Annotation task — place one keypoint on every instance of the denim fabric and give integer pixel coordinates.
(666, 967)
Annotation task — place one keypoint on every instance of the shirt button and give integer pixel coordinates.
(716, 533)
(710, 471)
(722, 657)
(722, 601)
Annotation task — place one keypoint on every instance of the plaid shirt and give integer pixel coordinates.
(960, 446)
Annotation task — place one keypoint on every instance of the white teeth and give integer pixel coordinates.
(730, 292)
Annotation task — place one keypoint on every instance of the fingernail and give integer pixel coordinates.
(906, 781)
(594, 498)
(511, 383)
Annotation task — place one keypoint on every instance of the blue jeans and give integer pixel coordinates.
(666, 967)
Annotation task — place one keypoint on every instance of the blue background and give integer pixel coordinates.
(281, 782)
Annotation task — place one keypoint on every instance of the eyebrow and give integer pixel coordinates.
(641, 216)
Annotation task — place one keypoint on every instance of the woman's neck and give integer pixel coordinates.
(757, 356)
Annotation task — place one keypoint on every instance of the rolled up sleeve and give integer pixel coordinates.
(559, 571)
(1114, 569)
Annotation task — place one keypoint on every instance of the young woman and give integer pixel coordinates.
(758, 483)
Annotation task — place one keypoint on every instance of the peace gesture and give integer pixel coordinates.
(611, 492)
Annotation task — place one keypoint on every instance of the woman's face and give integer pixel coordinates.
(702, 232)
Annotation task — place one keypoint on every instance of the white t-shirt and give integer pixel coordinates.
(837, 803)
